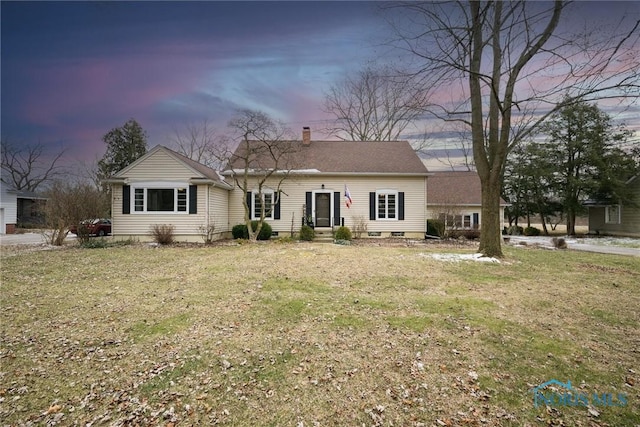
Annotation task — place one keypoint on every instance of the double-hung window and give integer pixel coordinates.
(386, 204)
(257, 199)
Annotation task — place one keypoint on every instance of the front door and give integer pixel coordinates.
(323, 209)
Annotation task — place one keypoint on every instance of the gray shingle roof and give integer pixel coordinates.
(455, 188)
(364, 157)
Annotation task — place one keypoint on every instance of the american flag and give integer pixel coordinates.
(347, 196)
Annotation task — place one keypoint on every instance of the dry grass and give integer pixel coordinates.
(313, 334)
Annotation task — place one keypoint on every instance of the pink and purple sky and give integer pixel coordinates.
(71, 71)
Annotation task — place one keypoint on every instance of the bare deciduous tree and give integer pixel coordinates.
(198, 142)
(513, 63)
(69, 204)
(374, 105)
(263, 157)
(28, 167)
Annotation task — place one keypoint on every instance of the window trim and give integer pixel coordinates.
(607, 214)
(145, 186)
(271, 215)
(395, 193)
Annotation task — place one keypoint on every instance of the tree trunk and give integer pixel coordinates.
(571, 222)
(491, 233)
(544, 225)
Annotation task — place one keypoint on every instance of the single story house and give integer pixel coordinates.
(455, 197)
(614, 218)
(18, 207)
(30, 207)
(386, 182)
(165, 187)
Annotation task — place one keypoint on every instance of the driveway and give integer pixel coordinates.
(27, 239)
(600, 245)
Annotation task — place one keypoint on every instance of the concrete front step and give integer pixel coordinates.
(323, 235)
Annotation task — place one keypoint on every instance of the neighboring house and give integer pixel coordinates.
(386, 180)
(30, 207)
(18, 207)
(614, 218)
(456, 198)
(8, 209)
(164, 187)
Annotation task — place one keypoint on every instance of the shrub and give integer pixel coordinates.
(467, 234)
(162, 233)
(307, 233)
(207, 232)
(359, 226)
(343, 233)
(239, 231)
(265, 231)
(435, 227)
(559, 243)
(531, 231)
(515, 230)
(82, 235)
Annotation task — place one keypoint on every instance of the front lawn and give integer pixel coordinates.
(317, 334)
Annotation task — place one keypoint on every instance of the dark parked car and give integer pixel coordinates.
(95, 227)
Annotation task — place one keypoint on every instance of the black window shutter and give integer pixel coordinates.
(276, 208)
(476, 220)
(372, 206)
(336, 208)
(308, 204)
(193, 199)
(126, 199)
(401, 206)
(249, 204)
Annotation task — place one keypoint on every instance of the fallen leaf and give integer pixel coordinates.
(53, 409)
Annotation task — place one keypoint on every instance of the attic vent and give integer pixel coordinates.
(306, 135)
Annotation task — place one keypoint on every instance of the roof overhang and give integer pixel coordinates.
(316, 172)
(470, 205)
(113, 180)
(207, 181)
(599, 203)
(23, 196)
(194, 181)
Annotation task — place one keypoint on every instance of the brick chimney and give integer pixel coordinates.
(306, 135)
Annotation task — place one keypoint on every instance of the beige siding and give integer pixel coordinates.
(156, 169)
(160, 166)
(219, 209)
(295, 188)
(138, 225)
